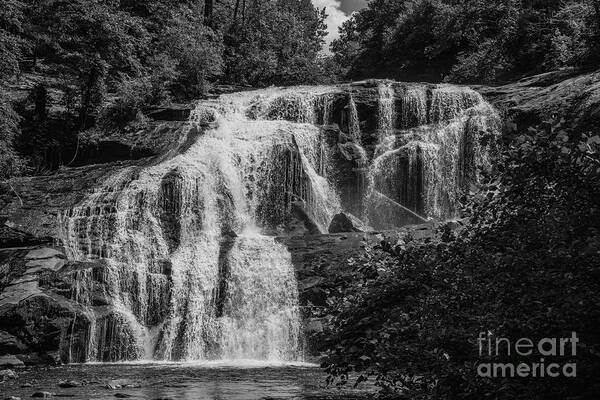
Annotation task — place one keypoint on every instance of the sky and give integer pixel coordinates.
(338, 11)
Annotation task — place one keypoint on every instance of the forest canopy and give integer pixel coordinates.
(90, 61)
(472, 41)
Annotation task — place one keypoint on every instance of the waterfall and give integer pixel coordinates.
(414, 107)
(426, 166)
(387, 110)
(188, 267)
(353, 121)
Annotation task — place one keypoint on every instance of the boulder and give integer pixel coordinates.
(314, 326)
(352, 152)
(299, 212)
(43, 395)
(10, 361)
(8, 374)
(10, 344)
(44, 252)
(345, 222)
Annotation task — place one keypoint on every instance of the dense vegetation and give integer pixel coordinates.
(471, 41)
(527, 265)
(89, 61)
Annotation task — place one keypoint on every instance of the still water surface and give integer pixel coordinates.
(198, 381)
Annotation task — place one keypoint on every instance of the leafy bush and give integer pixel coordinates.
(527, 265)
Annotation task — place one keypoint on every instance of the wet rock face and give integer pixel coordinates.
(550, 97)
(53, 310)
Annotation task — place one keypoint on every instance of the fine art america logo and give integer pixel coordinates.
(547, 349)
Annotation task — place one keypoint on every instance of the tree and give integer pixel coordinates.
(10, 162)
(466, 41)
(196, 48)
(11, 44)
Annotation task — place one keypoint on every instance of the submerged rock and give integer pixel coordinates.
(122, 383)
(43, 395)
(69, 384)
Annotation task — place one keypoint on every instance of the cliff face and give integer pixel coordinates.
(389, 153)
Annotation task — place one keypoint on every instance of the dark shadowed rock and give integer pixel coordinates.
(43, 395)
(11, 237)
(345, 222)
(175, 112)
(10, 344)
(299, 211)
(69, 384)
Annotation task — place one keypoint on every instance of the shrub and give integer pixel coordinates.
(527, 265)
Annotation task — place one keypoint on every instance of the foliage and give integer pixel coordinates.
(277, 43)
(473, 41)
(527, 265)
(108, 60)
(10, 163)
(197, 50)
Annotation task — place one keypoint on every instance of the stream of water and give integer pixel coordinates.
(249, 380)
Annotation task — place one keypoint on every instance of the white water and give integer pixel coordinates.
(189, 272)
(424, 165)
(386, 121)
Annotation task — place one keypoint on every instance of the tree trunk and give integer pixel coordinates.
(235, 11)
(208, 11)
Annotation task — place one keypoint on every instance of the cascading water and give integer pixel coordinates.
(423, 168)
(353, 121)
(386, 119)
(188, 270)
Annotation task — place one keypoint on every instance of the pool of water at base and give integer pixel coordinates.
(198, 381)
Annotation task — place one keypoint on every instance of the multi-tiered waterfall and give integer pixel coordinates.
(191, 269)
